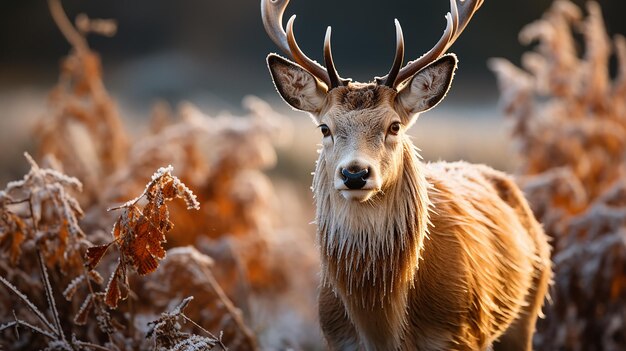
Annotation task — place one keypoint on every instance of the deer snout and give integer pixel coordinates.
(355, 178)
(355, 174)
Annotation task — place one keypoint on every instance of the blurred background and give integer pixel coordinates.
(213, 54)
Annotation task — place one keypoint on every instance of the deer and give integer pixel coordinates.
(414, 255)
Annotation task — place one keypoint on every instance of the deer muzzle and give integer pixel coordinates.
(354, 180)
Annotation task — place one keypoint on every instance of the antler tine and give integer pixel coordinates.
(300, 58)
(467, 10)
(335, 80)
(457, 19)
(442, 45)
(398, 59)
(272, 14)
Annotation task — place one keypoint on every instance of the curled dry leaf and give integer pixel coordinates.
(83, 312)
(113, 292)
(94, 255)
(139, 232)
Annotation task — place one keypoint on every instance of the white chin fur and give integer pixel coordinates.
(357, 195)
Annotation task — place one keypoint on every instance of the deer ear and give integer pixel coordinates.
(428, 86)
(296, 86)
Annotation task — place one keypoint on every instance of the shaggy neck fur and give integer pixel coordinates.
(370, 251)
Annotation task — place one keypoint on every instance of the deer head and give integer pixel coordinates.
(363, 124)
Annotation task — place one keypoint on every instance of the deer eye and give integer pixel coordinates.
(325, 130)
(394, 128)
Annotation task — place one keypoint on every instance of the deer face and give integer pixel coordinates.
(363, 126)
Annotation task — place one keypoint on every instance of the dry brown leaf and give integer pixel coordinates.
(83, 312)
(94, 255)
(113, 294)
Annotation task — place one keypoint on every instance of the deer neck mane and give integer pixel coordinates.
(370, 251)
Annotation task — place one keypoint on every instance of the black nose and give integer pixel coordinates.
(354, 180)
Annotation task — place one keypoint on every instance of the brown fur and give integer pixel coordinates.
(443, 256)
(484, 263)
(353, 98)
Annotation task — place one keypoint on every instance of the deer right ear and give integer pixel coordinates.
(428, 86)
(296, 86)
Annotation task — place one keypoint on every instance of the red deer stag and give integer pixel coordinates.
(443, 256)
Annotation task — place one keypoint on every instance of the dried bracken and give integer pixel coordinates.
(139, 232)
(245, 281)
(53, 331)
(42, 220)
(40, 209)
(570, 127)
(233, 192)
(186, 271)
(37, 212)
(237, 198)
(94, 143)
(168, 336)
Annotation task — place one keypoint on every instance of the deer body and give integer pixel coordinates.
(447, 260)
(443, 256)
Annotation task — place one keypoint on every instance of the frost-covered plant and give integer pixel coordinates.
(139, 232)
(83, 129)
(167, 333)
(40, 209)
(569, 118)
(221, 158)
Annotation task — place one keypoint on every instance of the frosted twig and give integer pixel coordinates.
(48, 290)
(219, 340)
(29, 304)
(18, 322)
(155, 178)
(70, 290)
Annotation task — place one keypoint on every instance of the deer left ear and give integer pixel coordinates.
(428, 86)
(296, 86)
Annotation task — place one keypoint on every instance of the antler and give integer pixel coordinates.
(272, 14)
(457, 20)
(391, 77)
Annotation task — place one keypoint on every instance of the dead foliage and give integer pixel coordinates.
(40, 209)
(139, 232)
(238, 200)
(240, 264)
(94, 142)
(40, 221)
(186, 272)
(569, 123)
(168, 336)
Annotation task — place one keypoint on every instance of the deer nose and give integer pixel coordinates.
(354, 178)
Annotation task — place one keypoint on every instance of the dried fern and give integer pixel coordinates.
(139, 232)
(168, 336)
(570, 130)
(39, 209)
(83, 130)
(220, 157)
